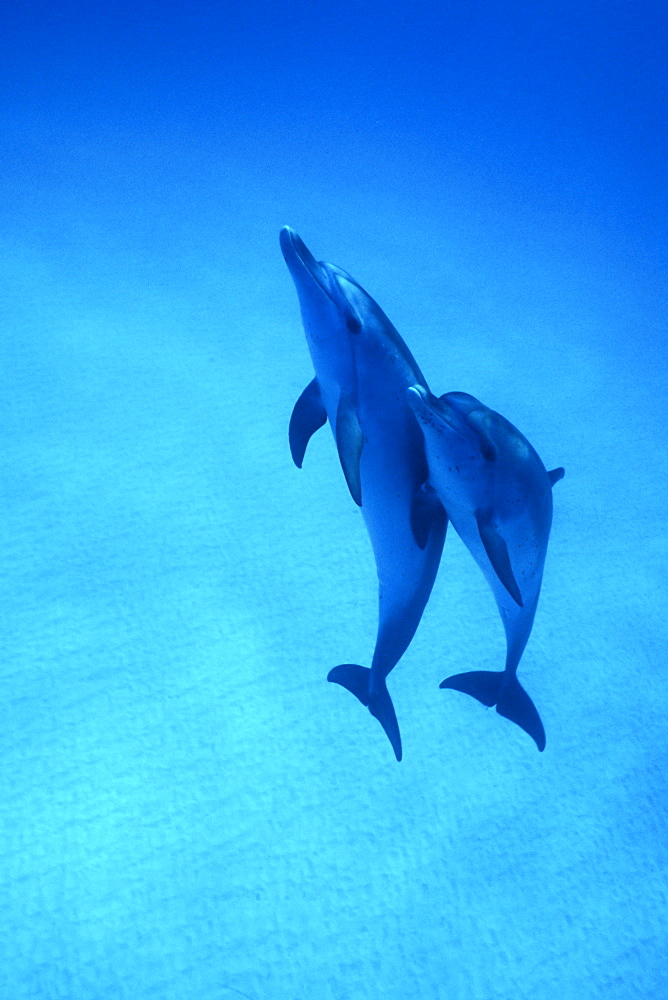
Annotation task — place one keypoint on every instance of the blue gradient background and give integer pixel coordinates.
(187, 809)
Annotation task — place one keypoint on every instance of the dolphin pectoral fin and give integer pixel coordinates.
(505, 691)
(555, 475)
(349, 442)
(356, 679)
(426, 511)
(515, 704)
(481, 684)
(308, 415)
(497, 552)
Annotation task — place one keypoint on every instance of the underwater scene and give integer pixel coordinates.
(334, 509)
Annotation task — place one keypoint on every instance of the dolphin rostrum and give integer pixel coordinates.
(363, 370)
(498, 495)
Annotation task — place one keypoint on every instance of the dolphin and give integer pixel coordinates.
(363, 370)
(498, 495)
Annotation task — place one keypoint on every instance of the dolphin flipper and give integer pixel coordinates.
(497, 552)
(505, 691)
(349, 442)
(356, 679)
(426, 510)
(308, 415)
(554, 475)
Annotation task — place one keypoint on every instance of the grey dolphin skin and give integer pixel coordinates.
(498, 495)
(363, 371)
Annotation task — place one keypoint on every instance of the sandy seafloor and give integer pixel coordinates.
(188, 811)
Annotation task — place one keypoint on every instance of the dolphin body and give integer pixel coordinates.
(498, 495)
(363, 370)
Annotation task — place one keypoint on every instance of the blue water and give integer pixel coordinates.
(187, 808)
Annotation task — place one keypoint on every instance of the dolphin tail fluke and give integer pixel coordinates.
(511, 700)
(356, 679)
(381, 708)
(481, 684)
(515, 704)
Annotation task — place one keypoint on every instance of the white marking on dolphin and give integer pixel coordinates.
(498, 496)
(363, 370)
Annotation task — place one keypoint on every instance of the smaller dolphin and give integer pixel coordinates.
(498, 495)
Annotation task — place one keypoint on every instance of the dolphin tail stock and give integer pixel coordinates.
(357, 680)
(505, 691)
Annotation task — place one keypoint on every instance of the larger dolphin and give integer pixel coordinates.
(498, 495)
(363, 370)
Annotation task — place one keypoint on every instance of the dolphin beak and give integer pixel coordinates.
(296, 254)
(430, 410)
(301, 262)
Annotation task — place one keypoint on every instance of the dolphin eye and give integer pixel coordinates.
(353, 324)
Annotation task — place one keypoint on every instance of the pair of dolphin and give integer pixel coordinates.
(411, 462)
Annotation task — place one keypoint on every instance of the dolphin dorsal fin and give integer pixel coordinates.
(349, 442)
(497, 552)
(555, 475)
(308, 415)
